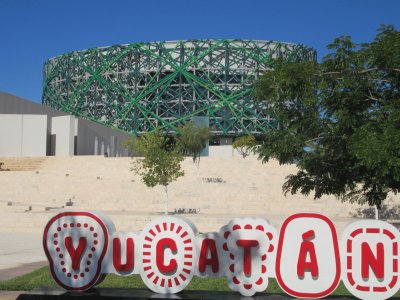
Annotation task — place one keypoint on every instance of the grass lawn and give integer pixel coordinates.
(42, 278)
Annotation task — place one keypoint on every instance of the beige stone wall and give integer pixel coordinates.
(224, 188)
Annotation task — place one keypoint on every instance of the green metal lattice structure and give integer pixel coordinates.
(139, 87)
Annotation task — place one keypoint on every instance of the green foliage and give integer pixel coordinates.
(161, 162)
(42, 278)
(245, 145)
(340, 120)
(192, 139)
(38, 278)
(129, 144)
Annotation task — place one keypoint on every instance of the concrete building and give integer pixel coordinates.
(31, 129)
(94, 99)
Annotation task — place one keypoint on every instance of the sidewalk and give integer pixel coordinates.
(20, 253)
(20, 248)
(10, 273)
(9, 295)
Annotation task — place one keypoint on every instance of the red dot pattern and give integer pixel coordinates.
(61, 256)
(232, 256)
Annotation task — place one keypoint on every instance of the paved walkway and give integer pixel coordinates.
(19, 248)
(9, 295)
(10, 273)
(20, 253)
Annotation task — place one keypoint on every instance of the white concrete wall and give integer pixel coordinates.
(10, 134)
(64, 129)
(95, 139)
(83, 139)
(223, 151)
(23, 135)
(220, 151)
(34, 130)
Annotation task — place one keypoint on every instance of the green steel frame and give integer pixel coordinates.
(139, 87)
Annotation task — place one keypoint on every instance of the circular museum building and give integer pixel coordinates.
(138, 87)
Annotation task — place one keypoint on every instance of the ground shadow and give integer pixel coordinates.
(390, 213)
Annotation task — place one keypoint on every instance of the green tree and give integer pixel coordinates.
(245, 145)
(192, 139)
(340, 120)
(129, 144)
(161, 164)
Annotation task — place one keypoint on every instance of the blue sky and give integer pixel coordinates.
(32, 31)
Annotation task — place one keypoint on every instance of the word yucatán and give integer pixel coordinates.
(305, 255)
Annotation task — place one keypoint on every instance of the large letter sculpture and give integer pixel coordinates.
(370, 259)
(75, 244)
(308, 259)
(305, 257)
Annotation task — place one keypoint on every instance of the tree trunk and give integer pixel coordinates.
(165, 199)
(197, 163)
(376, 212)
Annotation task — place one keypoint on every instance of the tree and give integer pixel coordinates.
(192, 139)
(161, 162)
(129, 144)
(340, 119)
(244, 145)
